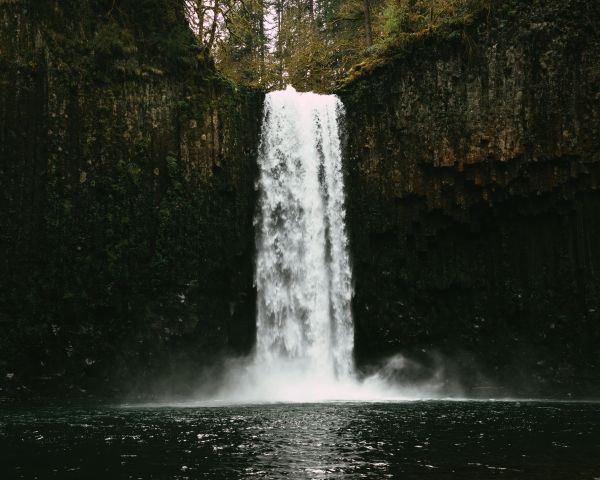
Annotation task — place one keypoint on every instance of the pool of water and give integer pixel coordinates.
(412, 440)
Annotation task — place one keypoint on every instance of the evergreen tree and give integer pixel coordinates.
(311, 44)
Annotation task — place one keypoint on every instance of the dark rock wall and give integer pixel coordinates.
(126, 201)
(474, 206)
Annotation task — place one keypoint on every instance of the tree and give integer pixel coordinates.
(368, 33)
(309, 43)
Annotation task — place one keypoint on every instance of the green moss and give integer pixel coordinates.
(408, 26)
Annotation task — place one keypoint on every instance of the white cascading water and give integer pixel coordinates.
(305, 332)
(303, 276)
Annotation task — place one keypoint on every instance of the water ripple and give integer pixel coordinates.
(471, 440)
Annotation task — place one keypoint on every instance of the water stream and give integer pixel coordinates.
(303, 275)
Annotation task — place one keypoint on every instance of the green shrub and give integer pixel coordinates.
(395, 18)
(414, 16)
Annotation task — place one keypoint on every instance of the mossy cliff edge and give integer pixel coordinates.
(126, 201)
(473, 164)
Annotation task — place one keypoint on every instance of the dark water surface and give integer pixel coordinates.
(458, 440)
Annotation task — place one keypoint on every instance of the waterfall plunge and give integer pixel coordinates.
(305, 333)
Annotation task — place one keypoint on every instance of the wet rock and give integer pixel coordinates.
(136, 180)
(473, 191)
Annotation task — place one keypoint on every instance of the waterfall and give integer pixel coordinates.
(303, 275)
(304, 327)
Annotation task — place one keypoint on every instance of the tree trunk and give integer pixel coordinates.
(262, 39)
(278, 41)
(213, 28)
(200, 12)
(367, 7)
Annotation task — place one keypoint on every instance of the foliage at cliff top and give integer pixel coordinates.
(313, 44)
(405, 23)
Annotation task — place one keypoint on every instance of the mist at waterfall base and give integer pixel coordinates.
(305, 333)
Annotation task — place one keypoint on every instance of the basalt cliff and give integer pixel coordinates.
(127, 197)
(473, 163)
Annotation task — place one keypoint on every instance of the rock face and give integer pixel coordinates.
(474, 209)
(126, 200)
